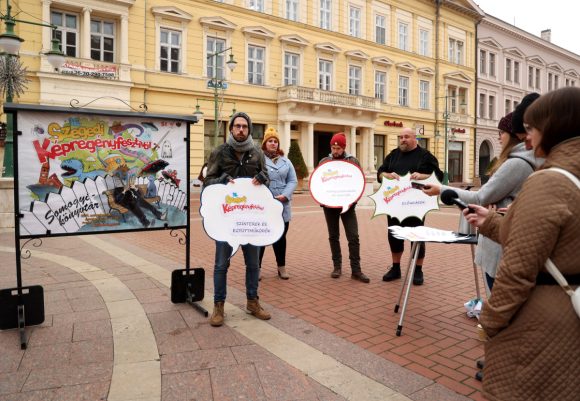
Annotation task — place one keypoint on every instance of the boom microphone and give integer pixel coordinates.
(450, 197)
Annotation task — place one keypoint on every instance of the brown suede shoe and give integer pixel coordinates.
(360, 276)
(217, 317)
(253, 308)
(336, 273)
(282, 273)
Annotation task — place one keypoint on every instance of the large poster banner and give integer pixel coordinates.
(337, 184)
(93, 173)
(399, 199)
(241, 213)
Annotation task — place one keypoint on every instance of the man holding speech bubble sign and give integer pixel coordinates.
(236, 158)
(409, 157)
(337, 189)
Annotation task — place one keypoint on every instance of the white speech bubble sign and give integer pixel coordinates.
(337, 184)
(399, 200)
(241, 213)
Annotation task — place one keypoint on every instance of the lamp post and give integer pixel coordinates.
(217, 83)
(446, 139)
(10, 45)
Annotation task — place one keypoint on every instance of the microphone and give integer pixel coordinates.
(450, 197)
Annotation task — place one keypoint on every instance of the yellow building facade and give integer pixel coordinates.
(310, 68)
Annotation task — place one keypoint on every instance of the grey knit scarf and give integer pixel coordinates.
(241, 147)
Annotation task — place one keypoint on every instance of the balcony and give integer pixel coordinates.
(327, 98)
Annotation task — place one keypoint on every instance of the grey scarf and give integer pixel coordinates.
(241, 147)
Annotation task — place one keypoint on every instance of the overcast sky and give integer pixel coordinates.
(533, 16)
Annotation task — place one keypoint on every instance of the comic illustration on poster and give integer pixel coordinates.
(82, 173)
(337, 184)
(241, 213)
(400, 200)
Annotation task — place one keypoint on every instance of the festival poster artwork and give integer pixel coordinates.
(97, 173)
(400, 200)
(241, 213)
(337, 184)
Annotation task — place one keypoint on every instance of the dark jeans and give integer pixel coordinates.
(134, 201)
(279, 248)
(223, 251)
(350, 228)
(490, 280)
(398, 245)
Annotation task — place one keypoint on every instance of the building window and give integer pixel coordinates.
(102, 41)
(515, 104)
(381, 85)
(256, 65)
(538, 78)
(354, 21)
(325, 13)
(491, 64)
(215, 64)
(292, 10)
(403, 36)
(170, 52)
(257, 5)
(291, 68)
(67, 31)
(556, 81)
(424, 42)
(549, 81)
(507, 107)
(481, 105)
(452, 95)
(491, 108)
(455, 51)
(325, 75)
(482, 62)
(516, 72)
(531, 76)
(508, 70)
(354, 80)
(404, 91)
(424, 94)
(379, 150)
(380, 29)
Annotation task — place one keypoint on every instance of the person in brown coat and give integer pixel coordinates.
(533, 351)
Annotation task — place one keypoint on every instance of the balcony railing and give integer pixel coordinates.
(322, 97)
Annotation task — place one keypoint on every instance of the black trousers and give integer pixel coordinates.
(350, 224)
(398, 245)
(279, 248)
(133, 200)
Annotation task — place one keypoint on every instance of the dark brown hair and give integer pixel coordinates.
(279, 152)
(556, 115)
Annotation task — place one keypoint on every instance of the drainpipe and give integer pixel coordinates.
(437, 17)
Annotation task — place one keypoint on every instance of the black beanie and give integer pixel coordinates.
(518, 113)
(244, 116)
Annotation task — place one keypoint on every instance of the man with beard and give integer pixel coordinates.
(409, 157)
(236, 158)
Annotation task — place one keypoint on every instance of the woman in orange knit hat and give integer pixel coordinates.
(283, 181)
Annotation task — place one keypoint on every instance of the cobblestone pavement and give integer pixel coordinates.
(112, 333)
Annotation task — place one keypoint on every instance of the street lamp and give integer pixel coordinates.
(216, 83)
(10, 46)
(446, 116)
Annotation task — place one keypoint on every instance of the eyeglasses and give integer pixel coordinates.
(239, 126)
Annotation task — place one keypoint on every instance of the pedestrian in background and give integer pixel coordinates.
(236, 158)
(533, 351)
(349, 221)
(283, 181)
(410, 158)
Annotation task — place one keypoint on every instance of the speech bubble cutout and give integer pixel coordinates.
(337, 184)
(399, 200)
(241, 213)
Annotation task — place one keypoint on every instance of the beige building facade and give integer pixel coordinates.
(310, 68)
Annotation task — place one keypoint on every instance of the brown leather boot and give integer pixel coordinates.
(360, 276)
(253, 308)
(282, 273)
(336, 273)
(217, 317)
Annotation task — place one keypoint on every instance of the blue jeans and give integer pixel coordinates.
(223, 250)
